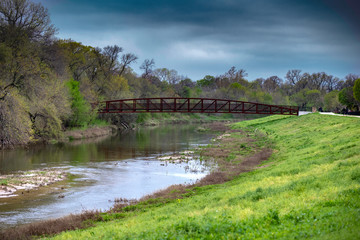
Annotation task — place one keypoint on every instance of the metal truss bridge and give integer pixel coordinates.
(192, 105)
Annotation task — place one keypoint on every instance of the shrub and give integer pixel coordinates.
(82, 113)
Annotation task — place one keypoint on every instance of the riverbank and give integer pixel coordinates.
(225, 171)
(309, 188)
(91, 132)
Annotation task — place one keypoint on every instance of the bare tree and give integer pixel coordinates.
(235, 75)
(241, 74)
(293, 76)
(108, 60)
(147, 66)
(126, 60)
(24, 19)
(331, 83)
(174, 77)
(162, 73)
(112, 54)
(272, 83)
(350, 80)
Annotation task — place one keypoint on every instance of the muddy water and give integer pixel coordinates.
(122, 166)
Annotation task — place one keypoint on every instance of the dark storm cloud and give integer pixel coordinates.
(266, 37)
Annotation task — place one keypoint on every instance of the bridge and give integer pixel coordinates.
(192, 105)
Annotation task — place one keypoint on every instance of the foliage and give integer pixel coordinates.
(15, 125)
(82, 113)
(313, 98)
(309, 189)
(331, 101)
(356, 90)
(346, 97)
(207, 81)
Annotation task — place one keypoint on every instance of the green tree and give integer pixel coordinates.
(235, 91)
(206, 82)
(299, 98)
(259, 97)
(346, 97)
(356, 90)
(331, 101)
(313, 98)
(82, 114)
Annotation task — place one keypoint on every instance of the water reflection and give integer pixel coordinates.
(118, 166)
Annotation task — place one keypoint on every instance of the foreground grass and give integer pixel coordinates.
(309, 189)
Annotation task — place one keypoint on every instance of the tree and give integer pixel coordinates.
(109, 61)
(184, 87)
(293, 76)
(15, 125)
(31, 64)
(257, 84)
(81, 110)
(126, 60)
(23, 26)
(161, 74)
(313, 98)
(272, 83)
(166, 75)
(23, 20)
(356, 90)
(346, 97)
(259, 96)
(299, 98)
(331, 83)
(235, 75)
(236, 91)
(331, 101)
(79, 57)
(207, 81)
(147, 66)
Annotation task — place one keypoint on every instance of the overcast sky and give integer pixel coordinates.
(207, 37)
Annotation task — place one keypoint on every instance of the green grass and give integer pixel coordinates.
(310, 189)
(3, 182)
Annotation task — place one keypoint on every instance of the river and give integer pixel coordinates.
(121, 166)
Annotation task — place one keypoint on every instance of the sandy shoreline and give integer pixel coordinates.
(12, 185)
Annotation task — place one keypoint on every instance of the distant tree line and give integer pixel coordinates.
(48, 84)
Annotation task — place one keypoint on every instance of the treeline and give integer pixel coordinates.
(301, 89)
(48, 84)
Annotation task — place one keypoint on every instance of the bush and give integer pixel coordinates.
(82, 114)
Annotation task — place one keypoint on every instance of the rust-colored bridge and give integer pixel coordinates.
(192, 105)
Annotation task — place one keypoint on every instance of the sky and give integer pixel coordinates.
(208, 37)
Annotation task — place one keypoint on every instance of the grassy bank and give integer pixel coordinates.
(309, 188)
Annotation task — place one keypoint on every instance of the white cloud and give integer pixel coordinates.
(201, 51)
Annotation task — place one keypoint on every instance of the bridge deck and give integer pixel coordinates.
(192, 105)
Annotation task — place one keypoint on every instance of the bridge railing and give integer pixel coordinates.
(192, 105)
